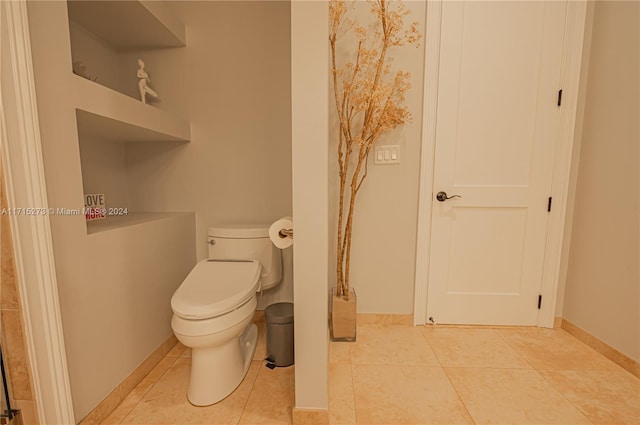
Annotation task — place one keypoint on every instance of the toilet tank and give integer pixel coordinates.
(247, 242)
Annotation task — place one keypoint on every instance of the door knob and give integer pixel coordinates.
(442, 196)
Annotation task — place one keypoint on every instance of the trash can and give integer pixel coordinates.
(279, 318)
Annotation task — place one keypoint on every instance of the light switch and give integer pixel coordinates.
(387, 155)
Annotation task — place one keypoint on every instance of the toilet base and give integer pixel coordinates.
(248, 342)
(217, 372)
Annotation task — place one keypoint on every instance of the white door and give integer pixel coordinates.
(499, 77)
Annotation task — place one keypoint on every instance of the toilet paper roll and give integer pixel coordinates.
(279, 240)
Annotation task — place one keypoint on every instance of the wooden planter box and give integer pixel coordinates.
(343, 317)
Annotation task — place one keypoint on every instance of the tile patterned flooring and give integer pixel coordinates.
(399, 374)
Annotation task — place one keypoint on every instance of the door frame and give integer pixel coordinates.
(33, 249)
(572, 57)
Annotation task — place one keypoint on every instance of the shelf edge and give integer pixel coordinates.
(104, 102)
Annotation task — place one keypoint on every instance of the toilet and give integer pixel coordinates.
(214, 307)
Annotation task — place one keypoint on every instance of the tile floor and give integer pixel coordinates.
(399, 374)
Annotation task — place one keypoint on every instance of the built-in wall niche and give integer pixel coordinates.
(103, 34)
(104, 171)
(107, 38)
(103, 145)
(107, 121)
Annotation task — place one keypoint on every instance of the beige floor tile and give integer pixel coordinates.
(604, 397)
(342, 409)
(310, 416)
(554, 349)
(177, 350)
(106, 406)
(390, 394)
(396, 379)
(272, 398)
(144, 368)
(135, 396)
(512, 396)
(166, 402)
(340, 352)
(120, 413)
(457, 347)
(399, 345)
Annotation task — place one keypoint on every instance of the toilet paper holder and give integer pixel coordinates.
(285, 233)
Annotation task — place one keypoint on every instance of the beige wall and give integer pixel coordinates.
(101, 62)
(114, 286)
(309, 91)
(233, 84)
(575, 160)
(603, 278)
(384, 234)
(104, 170)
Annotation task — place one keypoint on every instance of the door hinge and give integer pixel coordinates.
(549, 204)
(560, 97)
(539, 301)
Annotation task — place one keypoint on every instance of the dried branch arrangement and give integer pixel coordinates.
(369, 102)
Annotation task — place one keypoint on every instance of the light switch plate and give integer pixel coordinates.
(387, 155)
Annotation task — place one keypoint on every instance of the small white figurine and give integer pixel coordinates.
(143, 79)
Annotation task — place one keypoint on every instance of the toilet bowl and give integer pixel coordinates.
(214, 307)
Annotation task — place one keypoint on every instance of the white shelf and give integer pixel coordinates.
(129, 25)
(131, 219)
(111, 115)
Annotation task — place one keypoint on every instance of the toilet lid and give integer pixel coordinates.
(214, 288)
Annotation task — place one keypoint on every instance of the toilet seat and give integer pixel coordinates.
(214, 288)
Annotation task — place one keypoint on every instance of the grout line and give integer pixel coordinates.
(562, 394)
(483, 367)
(515, 349)
(466, 408)
(537, 372)
(353, 390)
(253, 385)
(430, 346)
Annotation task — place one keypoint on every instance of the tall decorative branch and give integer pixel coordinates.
(369, 102)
